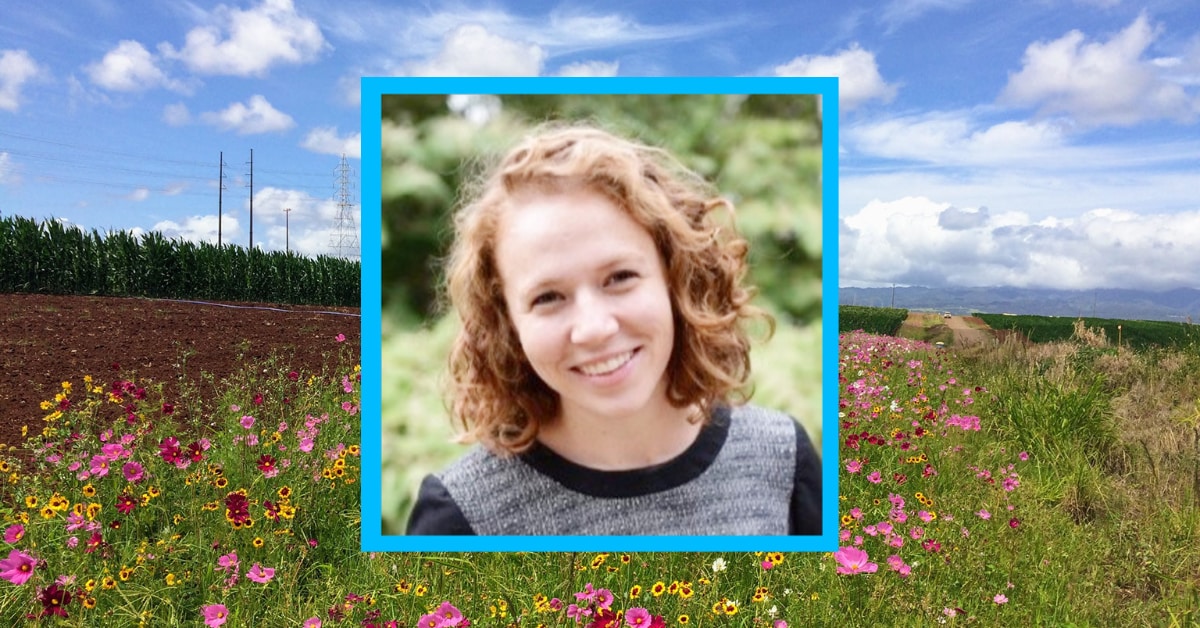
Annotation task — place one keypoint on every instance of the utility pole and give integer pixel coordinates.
(251, 200)
(220, 191)
(287, 213)
(893, 295)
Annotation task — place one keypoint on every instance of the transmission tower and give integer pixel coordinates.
(344, 239)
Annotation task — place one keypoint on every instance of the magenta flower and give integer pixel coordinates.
(984, 514)
(113, 451)
(1010, 483)
(1014, 522)
(14, 533)
(854, 466)
(779, 623)
(448, 614)
(637, 617)
(1000, 598)
(215, 615)
(260, 574)
(18, 567)
(133, 472)
(852, 560)
(247, 421)
(312, 622)
(340, 337)
(875, 477)
(227, 562)
(99, 467)
(1023, 456)
(767, 565)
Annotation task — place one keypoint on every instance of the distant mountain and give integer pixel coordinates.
(1174, 305)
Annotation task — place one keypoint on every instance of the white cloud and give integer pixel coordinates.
(174, 189)
(1099, 83)
(917, 241)
(472, 50)
(955, 138)
(249, 42)
(858, 74)
(256, 116)
(130, 68)
(8, 170)
(16, 68)
(306, 229)
(199, 229)
(325, 140)
(590, 68)
(138, 195)
(176, 114)
(898, 12)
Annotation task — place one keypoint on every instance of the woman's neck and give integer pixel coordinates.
(656, 434)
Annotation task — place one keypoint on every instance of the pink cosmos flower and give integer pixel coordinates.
(984, 514)
(637, 617)
(1014, 522)
(852, 560)
(1023, 456)
(448, 615)
(925, 516)
(875, 477)
(340, 337)
(1010, 483)
(306, 445)
(885, 527)
(247, 421)
(112, 451)
(73, 542)
(18, 567)
(767, 565)
(133, 472)
(99, 467)
(227, 562)
(853, 466)
(215, 615)
(312, 622)
(260, 574)
(1000, 598)
(14, 533)
(779, 623)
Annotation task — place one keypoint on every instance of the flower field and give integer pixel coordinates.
(1021, 486)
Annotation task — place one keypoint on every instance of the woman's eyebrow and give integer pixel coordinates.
(541, 282)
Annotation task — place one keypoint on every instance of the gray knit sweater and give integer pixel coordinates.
(751, 471)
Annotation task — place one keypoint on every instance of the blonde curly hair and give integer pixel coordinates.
(495, 396)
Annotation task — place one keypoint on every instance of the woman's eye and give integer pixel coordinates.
(544, 298)
(622, 275)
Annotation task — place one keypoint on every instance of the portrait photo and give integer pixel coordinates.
(601, 316)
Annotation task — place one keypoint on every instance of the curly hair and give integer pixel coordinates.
(495, 396)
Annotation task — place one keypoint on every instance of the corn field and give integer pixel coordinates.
(50, 258)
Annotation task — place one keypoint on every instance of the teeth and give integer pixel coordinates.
(607, 366)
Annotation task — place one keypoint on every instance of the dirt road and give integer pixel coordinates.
(968, 333)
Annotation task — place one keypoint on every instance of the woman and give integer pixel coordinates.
(602, 357)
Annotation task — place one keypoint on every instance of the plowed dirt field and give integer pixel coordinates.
(48, 339)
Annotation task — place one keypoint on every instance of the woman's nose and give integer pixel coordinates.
(593, 321)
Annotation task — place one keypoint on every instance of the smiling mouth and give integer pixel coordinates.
(607, 366)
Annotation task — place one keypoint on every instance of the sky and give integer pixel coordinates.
(1030, 143)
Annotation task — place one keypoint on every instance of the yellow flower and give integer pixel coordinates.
(108, 582)
(420, 590)
(89, 491)
(48, 513)
(90, 585)
(658, 589)
(153, 491)
(89, 602)
(125, 573)
(257, 542)
(683, 619)
(635, 591)
(172, 580)
(31, 501)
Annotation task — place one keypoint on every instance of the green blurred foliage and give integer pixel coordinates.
(763, 152)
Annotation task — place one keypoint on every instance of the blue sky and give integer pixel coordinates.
(1029, 143)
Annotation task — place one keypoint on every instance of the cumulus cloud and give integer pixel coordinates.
(918, 241)
(1099, 82)
(249, 42)
(253, 117)
(17, 67)
(199, 228)
(307, 229)
(471, 50)
(858, 74)
(130, 68)
(326, 141)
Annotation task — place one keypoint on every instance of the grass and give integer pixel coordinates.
(1046, 485)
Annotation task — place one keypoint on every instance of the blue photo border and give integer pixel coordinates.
(373, 89)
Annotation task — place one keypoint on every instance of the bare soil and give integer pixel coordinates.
(48, 339)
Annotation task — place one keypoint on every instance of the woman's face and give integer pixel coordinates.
(587, 294)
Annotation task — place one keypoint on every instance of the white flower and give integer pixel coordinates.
(772, 611)
(718, 565)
